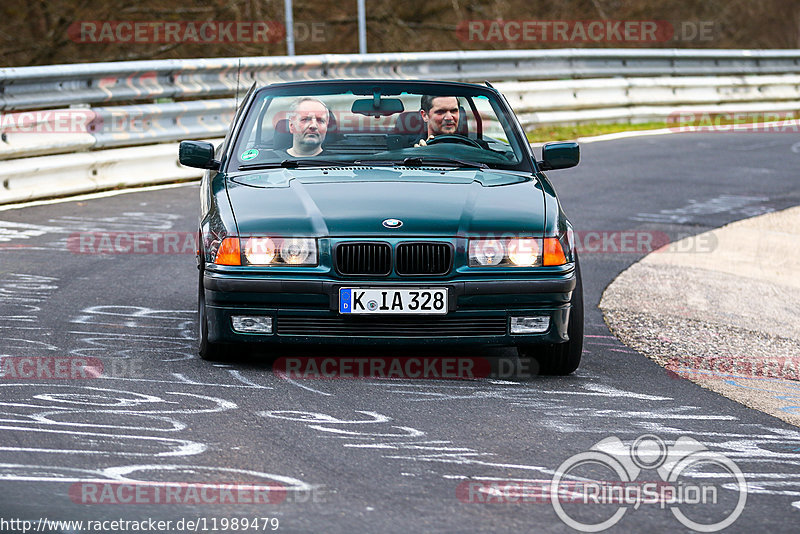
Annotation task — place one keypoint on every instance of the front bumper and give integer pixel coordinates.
(306, 311)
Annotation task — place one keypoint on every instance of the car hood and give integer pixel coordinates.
(355, 202)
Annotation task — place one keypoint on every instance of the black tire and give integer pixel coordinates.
(208, 350)
(563, 358)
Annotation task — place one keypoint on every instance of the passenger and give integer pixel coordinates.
(308, 124)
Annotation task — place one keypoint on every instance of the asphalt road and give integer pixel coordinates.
(366, 455)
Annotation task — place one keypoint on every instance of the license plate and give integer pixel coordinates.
(355, 300)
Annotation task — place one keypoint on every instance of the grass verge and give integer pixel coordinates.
(785, 121)
(566, 133)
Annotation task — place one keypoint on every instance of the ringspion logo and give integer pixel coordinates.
(593, 490)
(721, 494)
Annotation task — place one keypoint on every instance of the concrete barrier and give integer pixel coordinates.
(86, 172)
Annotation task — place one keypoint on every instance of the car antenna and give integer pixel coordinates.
(238, 70)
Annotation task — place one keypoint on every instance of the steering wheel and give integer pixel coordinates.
(454, 138)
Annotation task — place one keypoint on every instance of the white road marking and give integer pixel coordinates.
(180, 447)
(92, 196)
(238, 376)
(307, 388)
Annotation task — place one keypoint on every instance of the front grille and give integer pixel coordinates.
(423, 258)
(364, 258)
(403, 327)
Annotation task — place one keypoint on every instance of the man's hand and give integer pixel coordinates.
(421, 142)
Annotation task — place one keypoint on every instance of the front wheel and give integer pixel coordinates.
(563, 358)
(208, 350)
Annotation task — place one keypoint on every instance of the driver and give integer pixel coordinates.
(308, 124)
(440, 114)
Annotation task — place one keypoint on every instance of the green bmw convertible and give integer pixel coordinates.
(385, 212)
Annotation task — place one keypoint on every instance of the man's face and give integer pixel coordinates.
(309, 125)
(443, 116)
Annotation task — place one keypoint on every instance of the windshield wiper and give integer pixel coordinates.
(414, 161)
(375, 162)
(294, 163)
(418, 161)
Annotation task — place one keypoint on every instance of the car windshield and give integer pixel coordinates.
(378, 123)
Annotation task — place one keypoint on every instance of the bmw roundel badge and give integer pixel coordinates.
(393, 223)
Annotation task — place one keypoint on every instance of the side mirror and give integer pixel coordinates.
(562, 155)
(198, 154)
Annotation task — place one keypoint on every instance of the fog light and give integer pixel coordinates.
(252, 324)
(530, 325)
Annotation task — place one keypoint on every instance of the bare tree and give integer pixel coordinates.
(38, 32)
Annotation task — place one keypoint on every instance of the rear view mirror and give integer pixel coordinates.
(198, 154)
(377, 107)
(562, 155)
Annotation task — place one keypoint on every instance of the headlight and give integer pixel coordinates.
(259, 250)
(517, 252)
(276, 251)
(486, 252)
(524, 252)
(298, 251)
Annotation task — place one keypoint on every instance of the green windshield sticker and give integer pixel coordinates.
(249, 154)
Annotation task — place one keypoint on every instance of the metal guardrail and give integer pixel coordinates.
(84, 172)
(64, 85)
(663, 90)
(68, 130)
(543, 86)
(536, 103)
(648, 99)
(157, 123)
